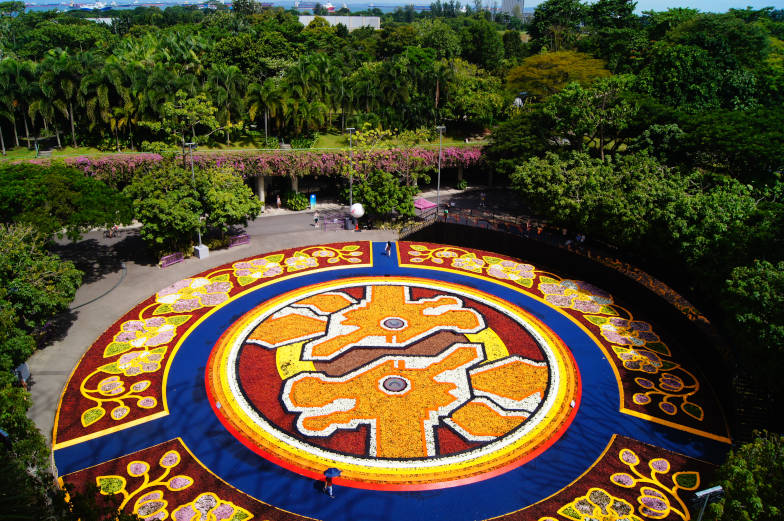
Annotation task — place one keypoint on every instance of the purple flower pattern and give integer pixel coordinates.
(194, 293)
(575, 294)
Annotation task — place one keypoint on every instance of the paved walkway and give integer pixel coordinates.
(119, 273)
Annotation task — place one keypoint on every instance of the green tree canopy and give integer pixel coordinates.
(545, 74)
(731, 42)
(753, 482)
(482, 43)
(227, 200)
(748, 145)
(384, 194)
(525, 135)
(58, 199)
(437, 35)
(171, 207)
(469, 94)
(556, 24)
(754, 298)
(183, 116)
(595, 116)
(37, 284)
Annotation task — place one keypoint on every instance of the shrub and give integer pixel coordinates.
(156, 147)
(296, 201)
(304, 141)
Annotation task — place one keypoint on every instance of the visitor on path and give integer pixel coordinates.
(278, 201)
(315, 219)
(329, 474)
(388, 249)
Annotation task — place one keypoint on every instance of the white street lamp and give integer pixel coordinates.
(441, 129)
(201, 250)
(708, 495)
(351, 168)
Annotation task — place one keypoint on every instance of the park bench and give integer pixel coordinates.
(44, 153)
(174, 258)
(236, 240)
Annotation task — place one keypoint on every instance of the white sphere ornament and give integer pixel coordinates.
(357, 210)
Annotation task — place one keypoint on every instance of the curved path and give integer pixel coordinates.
(497, 390)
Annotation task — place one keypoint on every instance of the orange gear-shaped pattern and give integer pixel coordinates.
(401, 398)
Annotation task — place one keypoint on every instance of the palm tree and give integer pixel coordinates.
(101, 91)
(365, 86)
(8, 96)
(43, 105)
(63, 73)
(18, 85)
(300, 79)
(224, 83)
(265, 96)
(311, 115)
(5, 114)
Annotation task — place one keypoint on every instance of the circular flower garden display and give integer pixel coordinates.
(442, 382)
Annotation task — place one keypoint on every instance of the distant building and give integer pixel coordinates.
(351, 22)
(516, 8)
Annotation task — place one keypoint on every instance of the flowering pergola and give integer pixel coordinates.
(118, 169)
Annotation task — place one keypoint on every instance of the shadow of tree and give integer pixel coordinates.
(55, 329)
(97, 258)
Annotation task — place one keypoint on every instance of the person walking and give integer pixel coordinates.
(315, 219)
(329, 475)
(388, 249)
(278, 201)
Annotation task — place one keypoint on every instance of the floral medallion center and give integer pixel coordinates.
(399, 382)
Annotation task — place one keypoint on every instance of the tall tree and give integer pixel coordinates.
(225, 83)
(482, 44)
(543, 75)
(58, 200)
(595, 116)
(264, 97)
(753, 481)
(556, 24)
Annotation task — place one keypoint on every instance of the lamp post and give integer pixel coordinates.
(706, 496)
(351, 168)
(441, 129)
(201, 250)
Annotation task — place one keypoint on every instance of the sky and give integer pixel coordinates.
(714, 6)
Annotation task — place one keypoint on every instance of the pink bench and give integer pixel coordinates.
(239, 239)
(174, 258)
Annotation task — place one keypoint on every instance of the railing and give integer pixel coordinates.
(413, 228)
(541, 230)
(174, 258)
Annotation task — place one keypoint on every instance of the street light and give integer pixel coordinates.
(351, 169)
(441, 129)
(709, 495)
(201, 250)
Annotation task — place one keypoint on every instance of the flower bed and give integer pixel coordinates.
(481, 385)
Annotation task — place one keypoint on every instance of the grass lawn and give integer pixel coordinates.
(331, 141)
(24, 153)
